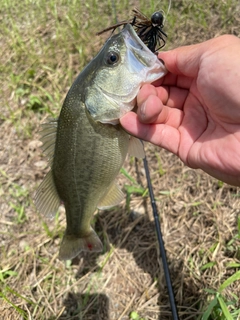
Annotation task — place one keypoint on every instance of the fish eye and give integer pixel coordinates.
(157, 18)
(112, 58)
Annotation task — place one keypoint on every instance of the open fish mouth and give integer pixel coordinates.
(139, 56)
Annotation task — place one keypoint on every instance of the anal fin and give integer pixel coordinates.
(112, 198)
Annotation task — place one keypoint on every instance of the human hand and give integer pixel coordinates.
(194, 111)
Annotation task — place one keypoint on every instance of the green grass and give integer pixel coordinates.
(135, 316)
(218, 307)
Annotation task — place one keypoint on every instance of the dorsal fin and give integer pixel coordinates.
(47, 200)
(112, 198)
(48, 138)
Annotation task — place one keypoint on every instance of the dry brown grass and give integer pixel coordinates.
(199, 215)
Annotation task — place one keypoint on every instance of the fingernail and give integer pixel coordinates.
(143, 110)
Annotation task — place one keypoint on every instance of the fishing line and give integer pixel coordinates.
(115, 12)
(161, 243)
(169, 7)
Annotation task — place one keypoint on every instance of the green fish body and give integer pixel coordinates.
(87, 146)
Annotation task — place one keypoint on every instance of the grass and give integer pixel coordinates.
(218, 307)
(44, 46)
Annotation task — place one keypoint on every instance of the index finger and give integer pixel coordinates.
(171, 79)
(170, 96)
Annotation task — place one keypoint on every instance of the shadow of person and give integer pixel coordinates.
(85, 306)
(134, 235)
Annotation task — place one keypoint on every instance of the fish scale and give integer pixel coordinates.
(101, 164)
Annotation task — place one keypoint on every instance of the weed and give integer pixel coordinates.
(20, 200)
(6, 273)
(132, 189)
(218, 307)
(135, 316)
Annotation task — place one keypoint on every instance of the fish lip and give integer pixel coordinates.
(138, 47)
(129, 34)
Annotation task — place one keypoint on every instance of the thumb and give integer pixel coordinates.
(187, 60)
(184, 60)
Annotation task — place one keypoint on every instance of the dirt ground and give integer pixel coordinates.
(200, 221)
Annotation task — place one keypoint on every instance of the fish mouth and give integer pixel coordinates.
(140, 56)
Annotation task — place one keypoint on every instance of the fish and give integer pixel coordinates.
(87, 146)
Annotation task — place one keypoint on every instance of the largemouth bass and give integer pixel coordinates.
(86, 145)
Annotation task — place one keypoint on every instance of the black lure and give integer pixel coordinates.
(149, 31)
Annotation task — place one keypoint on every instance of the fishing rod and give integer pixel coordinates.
(161, 243)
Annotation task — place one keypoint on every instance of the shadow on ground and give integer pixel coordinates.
(136, 235)
(85, 306)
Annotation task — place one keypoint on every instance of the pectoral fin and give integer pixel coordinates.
(136, 148)
(112, 198)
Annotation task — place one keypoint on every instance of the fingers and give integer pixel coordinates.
(158, 105)
(152, 111)
(170, 79)
(148, 89)
(145, 91)
(149, 105)
(161, 135)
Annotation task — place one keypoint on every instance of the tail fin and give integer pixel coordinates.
(71, 245)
